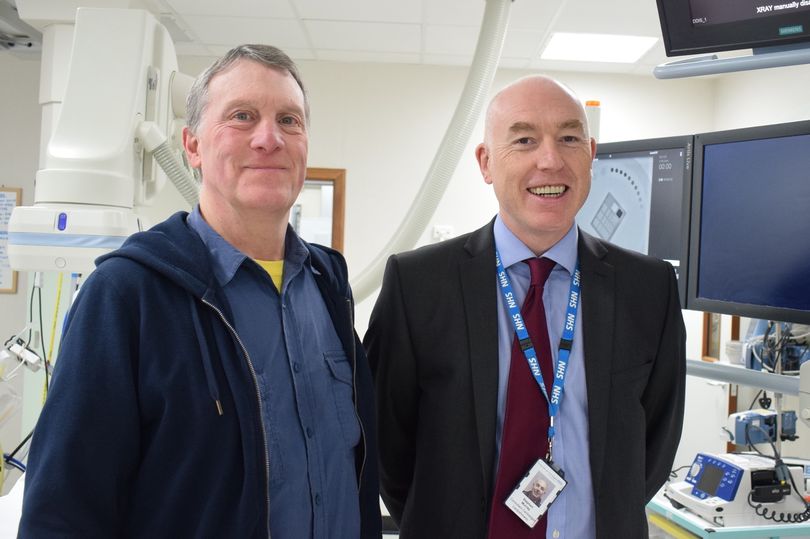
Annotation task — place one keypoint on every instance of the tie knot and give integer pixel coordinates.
(540, 269)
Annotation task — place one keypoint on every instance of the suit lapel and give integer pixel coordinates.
(598, 297)
(477, 276)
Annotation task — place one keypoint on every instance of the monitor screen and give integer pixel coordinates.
(699, 26)
(750, 239)
(710, 479)
(640, 196)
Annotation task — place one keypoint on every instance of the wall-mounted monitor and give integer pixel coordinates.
(639, 198)
(749, 252)
(700, 26)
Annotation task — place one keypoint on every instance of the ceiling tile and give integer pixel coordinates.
(454, 12)
(600, 17)
(450, 39)
(232, 31)
(362, 36)
(368, 56)
(537, 15)
(279, 9)
(522, 43)
(402, 11)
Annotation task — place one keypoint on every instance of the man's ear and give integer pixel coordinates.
(482, 156)
(192, 145)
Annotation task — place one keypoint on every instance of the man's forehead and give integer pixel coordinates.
(523, 126)
(230, 94)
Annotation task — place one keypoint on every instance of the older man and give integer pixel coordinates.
(527, 343)
(210, 383)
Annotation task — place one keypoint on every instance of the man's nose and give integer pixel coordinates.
(548, 156)
(267, 136)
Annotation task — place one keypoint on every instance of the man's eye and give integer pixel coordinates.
(570, 139)
(524, 140)
(241, 116)
(289, 120)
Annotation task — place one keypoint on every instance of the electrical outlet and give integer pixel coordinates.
(442, 232)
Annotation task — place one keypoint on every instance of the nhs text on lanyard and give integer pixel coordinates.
(564, 350)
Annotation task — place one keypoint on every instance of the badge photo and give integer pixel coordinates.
(536, 492)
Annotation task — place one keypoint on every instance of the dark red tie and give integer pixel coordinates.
(524, 438)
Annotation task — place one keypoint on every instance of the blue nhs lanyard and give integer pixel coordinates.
(564, 351)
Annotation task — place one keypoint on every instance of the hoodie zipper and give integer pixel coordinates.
(259, 402)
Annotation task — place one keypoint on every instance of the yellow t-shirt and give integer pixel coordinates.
(274, 268)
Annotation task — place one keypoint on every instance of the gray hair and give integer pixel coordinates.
(267, 55)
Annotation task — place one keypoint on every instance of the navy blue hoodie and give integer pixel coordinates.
(152, 426)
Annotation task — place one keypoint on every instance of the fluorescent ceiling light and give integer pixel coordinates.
(597, 47)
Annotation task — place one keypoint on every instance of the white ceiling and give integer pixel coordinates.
(442, 32)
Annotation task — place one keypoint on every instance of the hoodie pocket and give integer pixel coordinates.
(343, 395)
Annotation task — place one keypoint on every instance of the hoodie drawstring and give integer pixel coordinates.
(205, 356)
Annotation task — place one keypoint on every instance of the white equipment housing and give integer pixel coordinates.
(717, 487)
(94, 170)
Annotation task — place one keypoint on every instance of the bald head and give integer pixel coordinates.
(534, 90)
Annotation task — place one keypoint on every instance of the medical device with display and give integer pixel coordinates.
(740, 490)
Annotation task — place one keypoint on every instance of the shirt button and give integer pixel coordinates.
(317, 499)
(296, 367)
(555, 534)
(309, 432)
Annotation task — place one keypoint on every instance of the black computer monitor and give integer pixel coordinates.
(749, 252)
(699, 26)
(639, 198)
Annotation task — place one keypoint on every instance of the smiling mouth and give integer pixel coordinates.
(266, 168)
(548, 191)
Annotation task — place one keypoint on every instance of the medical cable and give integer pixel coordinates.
(55, 314)
(782, 471)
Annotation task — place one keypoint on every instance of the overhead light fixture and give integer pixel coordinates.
(597, 47)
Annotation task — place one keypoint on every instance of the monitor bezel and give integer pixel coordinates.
(681, 37)
(666, 143)
(693, 301)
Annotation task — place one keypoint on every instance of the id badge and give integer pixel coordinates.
(536, 492)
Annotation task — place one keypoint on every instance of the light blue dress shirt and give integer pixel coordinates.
(572, 514)
(305, 387)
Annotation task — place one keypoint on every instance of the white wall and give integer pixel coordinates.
(763, 97)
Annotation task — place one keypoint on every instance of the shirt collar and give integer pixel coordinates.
(512, 250)
(227, 259)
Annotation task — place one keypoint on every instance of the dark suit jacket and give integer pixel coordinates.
(433, 347)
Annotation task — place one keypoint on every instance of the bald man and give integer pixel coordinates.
(452, 380)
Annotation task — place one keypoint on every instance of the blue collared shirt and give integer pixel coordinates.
(305, 388)
(572, 514)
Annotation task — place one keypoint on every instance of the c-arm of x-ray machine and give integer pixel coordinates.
(113, 111)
